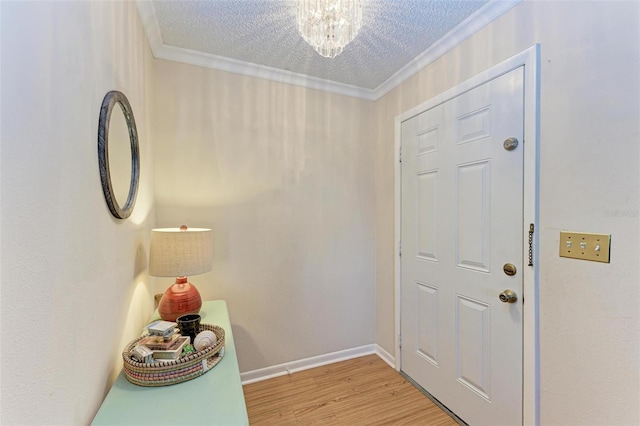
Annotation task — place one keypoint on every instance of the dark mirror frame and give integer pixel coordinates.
(110, 100)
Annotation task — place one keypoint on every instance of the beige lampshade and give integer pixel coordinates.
(178, 253)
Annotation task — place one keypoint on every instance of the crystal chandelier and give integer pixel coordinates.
(329, 25)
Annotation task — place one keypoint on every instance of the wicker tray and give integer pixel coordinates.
(170, 372)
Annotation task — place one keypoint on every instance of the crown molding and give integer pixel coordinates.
(464, 30)
(208, 60)
(475, 22)
(150, 23)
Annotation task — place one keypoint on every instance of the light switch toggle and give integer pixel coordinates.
(585, 246)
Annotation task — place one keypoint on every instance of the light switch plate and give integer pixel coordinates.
(585, 246)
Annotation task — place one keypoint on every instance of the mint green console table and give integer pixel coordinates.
(215, 398)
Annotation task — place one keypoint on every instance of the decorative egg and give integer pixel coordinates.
(204, 339)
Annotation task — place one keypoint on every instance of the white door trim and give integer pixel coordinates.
(530, 59)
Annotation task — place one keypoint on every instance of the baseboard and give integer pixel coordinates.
(316, 361)
(386, 356)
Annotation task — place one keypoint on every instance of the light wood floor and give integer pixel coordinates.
(361, 391)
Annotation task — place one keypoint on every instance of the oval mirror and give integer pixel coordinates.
(118, 154)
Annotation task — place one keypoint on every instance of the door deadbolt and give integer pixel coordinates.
(510, 144)
(508, 296)
(509, 269)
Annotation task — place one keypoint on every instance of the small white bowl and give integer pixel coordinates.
(204, 339)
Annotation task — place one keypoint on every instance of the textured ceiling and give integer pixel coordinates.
(264, 33)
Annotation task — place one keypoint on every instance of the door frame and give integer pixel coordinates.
(530, 59)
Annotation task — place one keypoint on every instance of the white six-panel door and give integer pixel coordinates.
(461, 222)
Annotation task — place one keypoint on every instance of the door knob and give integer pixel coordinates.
(508, 296)
(510, 144)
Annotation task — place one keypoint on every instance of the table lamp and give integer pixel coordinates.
(179, 252)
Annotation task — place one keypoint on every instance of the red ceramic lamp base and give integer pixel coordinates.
(179, 299)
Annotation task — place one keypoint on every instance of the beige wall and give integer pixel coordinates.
(74, 283)
(589, 181)
(298, 187)
(284, 176)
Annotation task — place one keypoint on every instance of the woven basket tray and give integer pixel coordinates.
(170, 372)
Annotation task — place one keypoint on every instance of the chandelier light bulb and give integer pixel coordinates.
(329, 25)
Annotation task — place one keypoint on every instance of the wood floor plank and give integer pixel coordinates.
(361, 391)
(281, 396)
(274, 417)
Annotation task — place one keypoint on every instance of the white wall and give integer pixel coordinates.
(589, 181)
(284, 177)
(74, 280)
